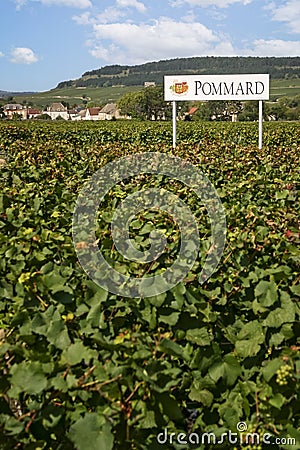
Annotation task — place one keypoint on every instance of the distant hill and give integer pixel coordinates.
(118, 75)
(109, 83)
(5, 94)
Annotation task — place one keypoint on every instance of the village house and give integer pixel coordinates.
(149, 84)
(32, 113)
(108, 112)
(15, 108)
(56, 110)
(91, 114)
(74, 114)
(82, 114)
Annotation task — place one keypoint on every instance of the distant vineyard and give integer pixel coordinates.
(85, 369)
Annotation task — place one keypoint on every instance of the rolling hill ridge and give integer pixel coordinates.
(114, 75)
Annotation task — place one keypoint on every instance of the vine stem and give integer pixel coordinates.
(100, 385)
(257, 407)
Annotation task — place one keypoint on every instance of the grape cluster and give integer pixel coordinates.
(283, 374)
(250, 444)
(68, 318)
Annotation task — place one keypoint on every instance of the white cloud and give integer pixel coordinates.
(164, 38)
(23, 55)
(20, 3)
(81, 4)
(275, 47)
(117, 40)
(73, 3)
(289, 13)
(83, 19)
(189, 16)
(139, 6)
(204, 3)
(110, 14)
(111, 53)
(1, 54)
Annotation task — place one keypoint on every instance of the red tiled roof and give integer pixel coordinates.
(33, 111)
(193, 110)
(94, 111)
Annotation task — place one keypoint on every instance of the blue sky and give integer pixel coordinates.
(44, 42)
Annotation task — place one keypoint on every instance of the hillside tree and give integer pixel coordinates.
(146, 104)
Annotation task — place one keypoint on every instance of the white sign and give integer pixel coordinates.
(217, 87)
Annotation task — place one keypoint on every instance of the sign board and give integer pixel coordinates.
(216, 87)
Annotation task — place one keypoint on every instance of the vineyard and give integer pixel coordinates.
(85, 369)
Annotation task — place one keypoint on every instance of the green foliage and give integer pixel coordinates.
(146, 104)
(44, 116)
(16, 117)
(218, 110)
(85, 369)
(285, 108)
(132, 104)
(250, 111)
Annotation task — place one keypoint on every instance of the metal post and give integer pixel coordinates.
(174, 122)
(260, 123)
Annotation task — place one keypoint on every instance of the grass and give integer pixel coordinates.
(73, 96)
(284, 88)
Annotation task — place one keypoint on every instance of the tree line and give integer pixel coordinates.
(278, 68)
(150, 104)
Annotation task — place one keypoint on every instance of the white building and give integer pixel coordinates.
(108, 112)
(91, 114)
(15, 108)
(149, 83)
(57, 109)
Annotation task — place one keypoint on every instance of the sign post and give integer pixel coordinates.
(260, 123)
(174, 118)
(216, 87)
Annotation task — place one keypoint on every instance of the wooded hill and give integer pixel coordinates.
(288, 68)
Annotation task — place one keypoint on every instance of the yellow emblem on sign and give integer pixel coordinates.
(180, 88)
